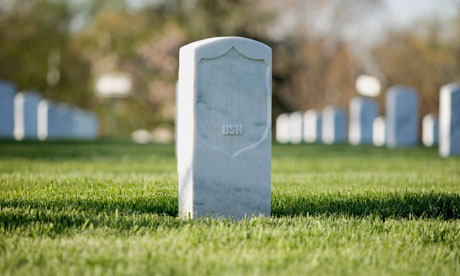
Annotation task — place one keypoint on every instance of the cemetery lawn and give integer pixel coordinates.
(73, 208)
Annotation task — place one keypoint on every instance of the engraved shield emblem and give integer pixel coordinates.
(232, 93)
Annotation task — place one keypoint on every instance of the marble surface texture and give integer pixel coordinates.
(224, 128)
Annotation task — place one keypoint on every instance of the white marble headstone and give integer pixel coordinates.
(282, 128)
(296, 127)
(401, 117)
(378, 131)
(334, 125)
(430, 130)
(25, 115)
(224, 131)
(312, 126)
(449, 120)
(362, 111)
(7, 91)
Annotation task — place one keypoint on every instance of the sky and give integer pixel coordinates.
(403, 12)
(398, 14)
(392, 14)
(395, 13)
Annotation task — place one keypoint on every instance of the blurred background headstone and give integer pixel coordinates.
(362, 112)
(25, 115)
(312, 126)
(449, 120)
(378, 131)
(296, 127)
(430, 130)
(282, 128)
(402, 117)
(7, 92)
(334, 125)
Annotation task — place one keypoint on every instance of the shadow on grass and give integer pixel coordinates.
(82, 150)
(322, 151)
(397, 205)
(64, 215)
(88, 150)
(124, 215)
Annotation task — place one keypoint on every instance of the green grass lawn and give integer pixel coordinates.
(111, 208)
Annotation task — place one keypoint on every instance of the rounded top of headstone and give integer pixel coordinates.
(296, 113)
(333, 108)
(451, 88)
(31, 94)
(78, 110)
(312, 112)
(222, 39)
(283, 117)
(431, 117)
(397, 89)
(46, 103)
(357, 99)
(363, 100)
(65, 106)
(216, 46)
(7, 85)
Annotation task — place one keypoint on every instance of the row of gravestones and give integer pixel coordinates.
(223, 132)
(26, 116)
(398, 129)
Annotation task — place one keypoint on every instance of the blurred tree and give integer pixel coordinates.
(145, 43)
(209, 18)
(36, 52)
(313, 63)
(425, 58)
(61, 47)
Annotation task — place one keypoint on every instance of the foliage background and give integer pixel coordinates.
(59, 48)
